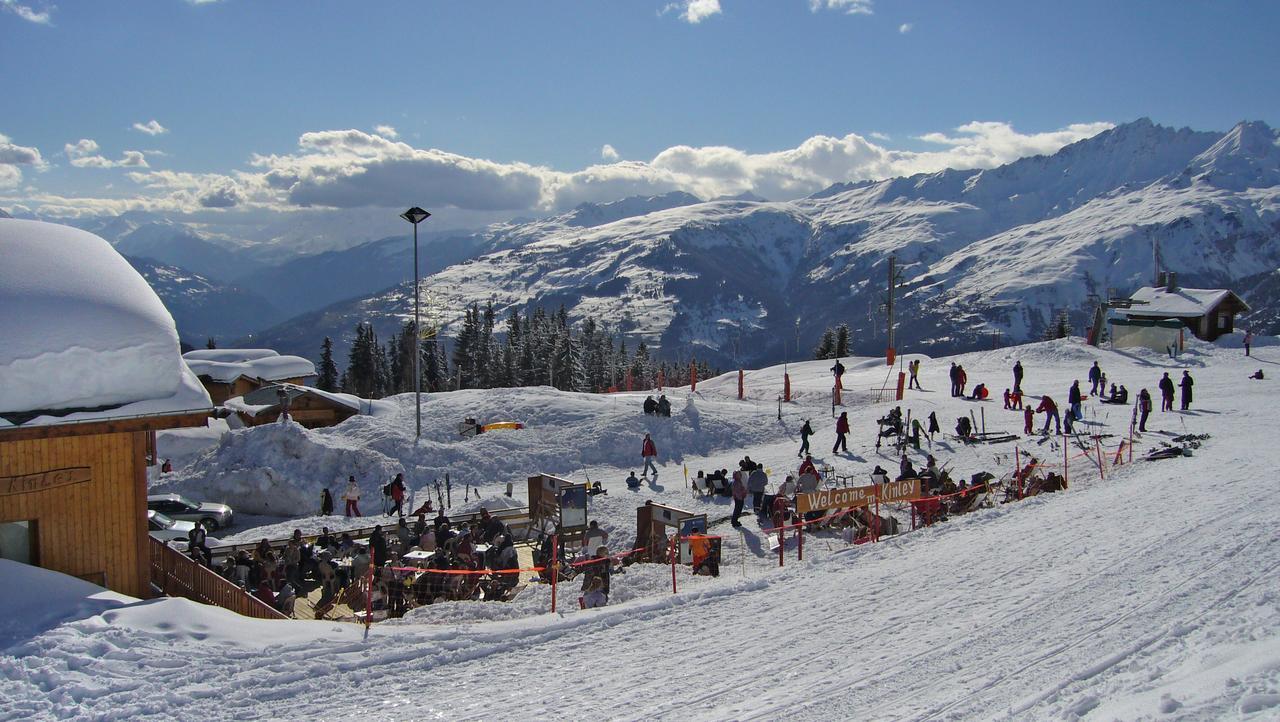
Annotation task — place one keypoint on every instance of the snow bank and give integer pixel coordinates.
(80, 327)
(34, 599)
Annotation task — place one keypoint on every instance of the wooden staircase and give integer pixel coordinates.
(175, 575)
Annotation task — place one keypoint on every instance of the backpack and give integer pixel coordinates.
(386, 489)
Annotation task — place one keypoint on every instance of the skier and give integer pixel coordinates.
(1166, 393)
(352, 497)
(805, 432)
(326, 502)
(962, 379)
(1186, 383)
(397, 496)
(1248, 341)
(933, 425)
(1017, 377)
(1029, 417)
(838, 371)
(648, 451)
(1144, 409)
(1095, 378)
(1050, 411)
(842, 431)
(955, 384)
(1074, 398)
(914, 368)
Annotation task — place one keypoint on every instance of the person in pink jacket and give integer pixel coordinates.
(739, 490)
(649, 451)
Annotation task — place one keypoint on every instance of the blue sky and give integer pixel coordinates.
(506, 107)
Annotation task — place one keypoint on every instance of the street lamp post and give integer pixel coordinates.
(415, 216)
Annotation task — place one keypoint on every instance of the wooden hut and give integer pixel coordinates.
(91, 369)
(230, 372)
(310, 407)
(1207, 312)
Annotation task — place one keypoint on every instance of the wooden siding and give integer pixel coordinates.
(90, 528)
(311, 411)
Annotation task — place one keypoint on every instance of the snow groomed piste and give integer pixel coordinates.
(1142, 595)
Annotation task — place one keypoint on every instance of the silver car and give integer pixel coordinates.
(175, 506)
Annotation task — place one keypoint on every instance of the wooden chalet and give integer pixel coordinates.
(308, 406)
(227, 373)
(77, 423)
(1207, 312)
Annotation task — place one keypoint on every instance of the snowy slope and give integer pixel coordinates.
(1000, 250)
(203, 307)
(1147, 595)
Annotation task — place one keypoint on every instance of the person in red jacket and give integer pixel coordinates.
(807, 467)
(842, 431)
(781, 506)
(1050, 411)
(962, 379)
(649, 451)
(1029, 415)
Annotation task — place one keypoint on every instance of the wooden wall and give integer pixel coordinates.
(90, 528)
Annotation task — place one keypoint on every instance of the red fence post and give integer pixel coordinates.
(675, 541)
(1065, 464)
(782, 542)
(800, 539)
(740, 385)
(875, 537)
(368, 600)
(554, 565)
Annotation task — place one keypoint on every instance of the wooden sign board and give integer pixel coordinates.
(857, 496)
(28, 483)
(844, 498)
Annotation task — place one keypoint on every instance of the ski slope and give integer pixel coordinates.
(1149, 594)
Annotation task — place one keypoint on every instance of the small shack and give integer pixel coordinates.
(557, 503)
(657, 523)
(230, 372)
(1207, 312)
(91, 370)
(308, 406)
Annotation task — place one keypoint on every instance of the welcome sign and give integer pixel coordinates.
(904, 490)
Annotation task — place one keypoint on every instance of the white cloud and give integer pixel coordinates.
(848, 7)
(905, 28)
(608, 153)
(879, 136)
(348, 169)
(28, 13)
(151, 127)
(694, 11)
(12, 158)
(84, 154)
(386, 131)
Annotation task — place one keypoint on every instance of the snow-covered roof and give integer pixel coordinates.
(80, 329)
(259, 400)
(227, 365)
(1179, 303)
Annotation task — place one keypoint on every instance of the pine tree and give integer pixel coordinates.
(328, 378)
(211, 344)
(842, 340)
(827, 346)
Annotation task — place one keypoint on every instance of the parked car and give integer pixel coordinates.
(180, 508)
(168, 530)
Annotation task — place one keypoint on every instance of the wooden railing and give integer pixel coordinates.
(178, 576)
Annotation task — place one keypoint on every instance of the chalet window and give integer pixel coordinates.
(18, 542)
(1224, 321)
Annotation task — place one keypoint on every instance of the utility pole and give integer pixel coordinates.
(893, 262)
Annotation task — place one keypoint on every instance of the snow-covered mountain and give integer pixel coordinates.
(202, 307)
(979, 252)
